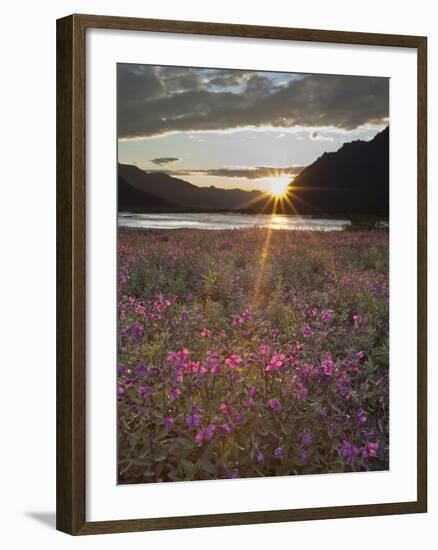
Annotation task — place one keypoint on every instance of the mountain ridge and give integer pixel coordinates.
(183, 193)
(133, 199)
(354, 179)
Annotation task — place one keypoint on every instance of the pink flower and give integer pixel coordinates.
(307, 331)
(144, 391)
(224, 409)
(327, 366)
(193, 421)
(357, 319)
(276, 362)
(327, 315)
(249, 402)
(195, 366)
(137, 330)
(305, 370)
(205, 435)
(233, 361)
(227, 428)
(265, 349)
(247, 314)
(175, 393)
(163, 304)
(361, 416)
(275, 405)
(206, 333)
(182, 354)
(209, 431)
(213, 362)
(370, 450)
(348, 450)
(352, 368)
(238, 320)
(302, 393)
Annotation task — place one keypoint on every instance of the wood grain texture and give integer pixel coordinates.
(70, 172)
(71, 270)
(422, 275)
(247, 31)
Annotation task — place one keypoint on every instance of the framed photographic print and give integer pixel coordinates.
(241, 244)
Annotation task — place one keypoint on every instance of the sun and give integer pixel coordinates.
(278, 185)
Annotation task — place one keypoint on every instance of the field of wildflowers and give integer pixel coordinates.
(251, 353)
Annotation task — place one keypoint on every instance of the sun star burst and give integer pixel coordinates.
(278, 185)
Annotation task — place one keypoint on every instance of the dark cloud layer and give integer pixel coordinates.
(154, 100)
(248, 173)
(164, 160)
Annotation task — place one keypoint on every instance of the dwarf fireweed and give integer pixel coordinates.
(234, 361)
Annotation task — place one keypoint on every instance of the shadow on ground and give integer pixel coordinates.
(45, 518)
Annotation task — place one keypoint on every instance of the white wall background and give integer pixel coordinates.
(27, 272)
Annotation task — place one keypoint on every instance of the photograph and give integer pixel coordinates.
(253, 273)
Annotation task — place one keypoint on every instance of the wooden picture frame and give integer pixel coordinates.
(71, 274)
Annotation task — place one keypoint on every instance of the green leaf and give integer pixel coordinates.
(160, 458)
(134, 397)
(208, 467)
(188, 466)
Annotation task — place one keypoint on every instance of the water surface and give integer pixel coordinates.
(229, 221)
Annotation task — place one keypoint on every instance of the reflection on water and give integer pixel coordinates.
(228, 221)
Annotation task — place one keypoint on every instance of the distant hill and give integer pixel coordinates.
(182, 193)
(132, 199)
(354, 179)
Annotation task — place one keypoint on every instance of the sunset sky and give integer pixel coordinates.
(235, 128)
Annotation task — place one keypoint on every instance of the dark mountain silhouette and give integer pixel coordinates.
(354, 179)
(183, 193)
(132, 199)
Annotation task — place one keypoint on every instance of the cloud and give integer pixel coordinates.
(250, 173)
(137, 83)
(179, 79)
(317, 136)
(225, 79)
(158, 100)
(258, 86)
(164, 160)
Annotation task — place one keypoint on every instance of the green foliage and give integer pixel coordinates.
(286, 330)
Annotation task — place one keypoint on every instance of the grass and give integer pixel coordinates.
(251, 353)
